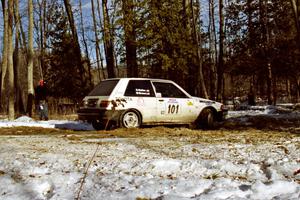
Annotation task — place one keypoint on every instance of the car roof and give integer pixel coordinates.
(151, 79)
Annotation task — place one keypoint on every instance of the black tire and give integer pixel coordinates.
(206, 119)
(98, 125)
(130, 119)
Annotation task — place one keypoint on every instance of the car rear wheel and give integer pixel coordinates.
(130, 119)
(206, 119)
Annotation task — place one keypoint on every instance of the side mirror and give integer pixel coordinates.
(158, 95)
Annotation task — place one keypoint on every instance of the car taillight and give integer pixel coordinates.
(104, 103)
(83, 103)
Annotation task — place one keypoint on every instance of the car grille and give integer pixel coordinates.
(92, 102)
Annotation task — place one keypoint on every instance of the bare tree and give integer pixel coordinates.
(265, 35)
(10, 67)
(4, 53)
(69, 11)
(30, 90)
(220, 69)
(19, 99)
(197, 39)
(108, 42)
(96, 39)
(101, 28)
(213, 50)
(42, 31)
(19, 25)
(296, 10)
(85, 43)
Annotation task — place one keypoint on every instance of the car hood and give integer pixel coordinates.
(208, 102)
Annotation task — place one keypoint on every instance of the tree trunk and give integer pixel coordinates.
(85, 44)
(130, 38)
(4, 56)
(266, 48)
(10, 66)
(19, 100)
(197, 39)
(101, 28)
(221, 53)
(288, 90)
(22, 39)
(296, 9)
(76, 41)
(250, 26)
(213, 50)
(108, 42)
(274, 88)
(42, 23)
(187, 37)
(269, 85)
(298, 89)
(30, 90)
(16, 55)
(96, 39)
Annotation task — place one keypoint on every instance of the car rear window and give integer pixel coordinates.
(104, 88)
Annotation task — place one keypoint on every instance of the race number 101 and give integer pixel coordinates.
(173, 109)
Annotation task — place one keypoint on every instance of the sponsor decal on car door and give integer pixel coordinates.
(173, 105)
(175, 110)
(167, 109)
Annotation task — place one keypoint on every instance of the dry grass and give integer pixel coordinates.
(30, 131)
(262, 129)
(245, 136)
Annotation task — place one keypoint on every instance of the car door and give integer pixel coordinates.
(139, 95)
(173, 105)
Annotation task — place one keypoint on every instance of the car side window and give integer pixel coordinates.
(168, 90)
(139, 88)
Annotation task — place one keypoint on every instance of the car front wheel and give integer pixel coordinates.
(206, 119)
(130, 119)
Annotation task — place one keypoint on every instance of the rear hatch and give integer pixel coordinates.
(99, 96)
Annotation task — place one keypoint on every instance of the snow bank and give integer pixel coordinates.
(62, 124)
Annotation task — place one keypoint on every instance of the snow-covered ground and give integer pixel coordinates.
(62, 124)
(189, 165)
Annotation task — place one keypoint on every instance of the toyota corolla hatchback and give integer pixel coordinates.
(133, 102)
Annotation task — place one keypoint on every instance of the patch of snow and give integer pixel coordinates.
(52, 167)
(24, 119)
(191, 188)
(61, 124)
(275, 190)
(166, 166)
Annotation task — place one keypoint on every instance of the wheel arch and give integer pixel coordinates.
(199, 123)
(215, 112)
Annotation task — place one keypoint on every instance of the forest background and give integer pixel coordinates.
(217, 49)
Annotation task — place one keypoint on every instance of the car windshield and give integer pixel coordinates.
(104, 88)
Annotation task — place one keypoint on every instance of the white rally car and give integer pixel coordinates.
(133, 102)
